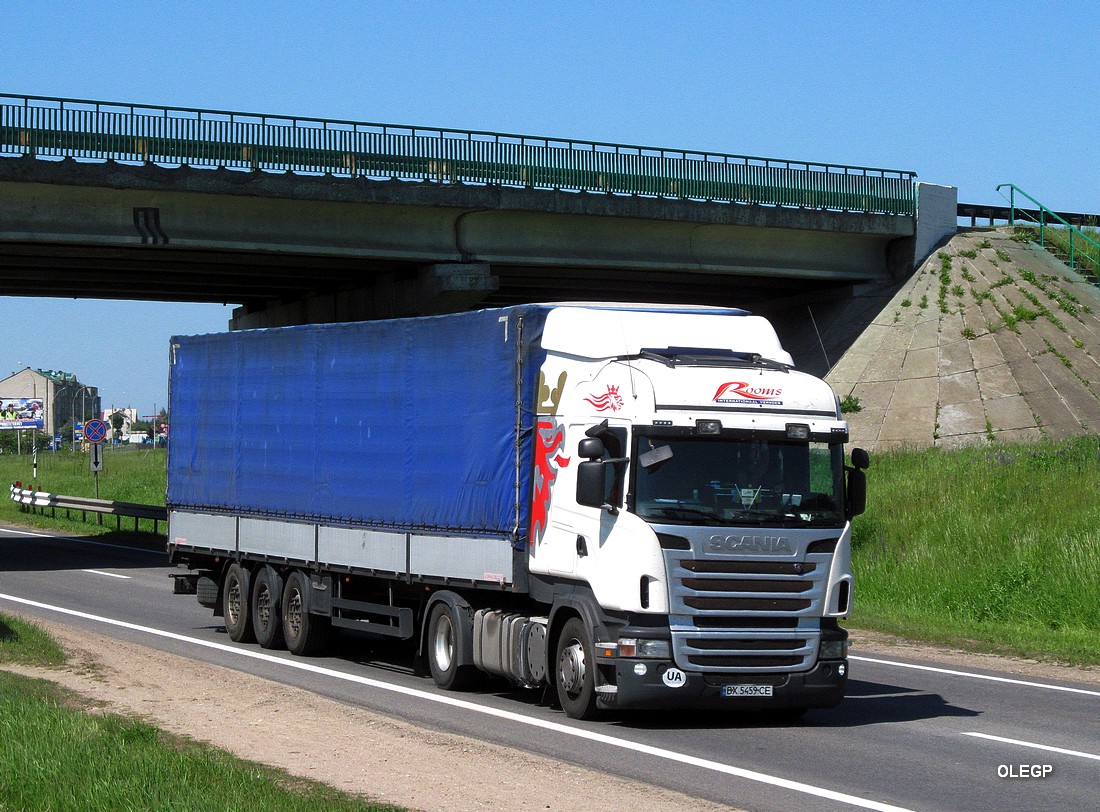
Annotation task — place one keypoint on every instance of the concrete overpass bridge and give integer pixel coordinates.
(308, 220)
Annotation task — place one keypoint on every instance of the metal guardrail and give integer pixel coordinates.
(58, 127)
(1047, 216)
(993, 214)
(39, 500)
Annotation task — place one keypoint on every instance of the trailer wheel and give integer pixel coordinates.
(305, 634)
(443, 650)
(267, 619)
(235, 603)
(575, 674)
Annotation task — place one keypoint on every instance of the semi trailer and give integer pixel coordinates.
(635, 506)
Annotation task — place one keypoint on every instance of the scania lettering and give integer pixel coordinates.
(638, 506)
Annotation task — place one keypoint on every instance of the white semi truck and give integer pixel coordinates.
(639, 506)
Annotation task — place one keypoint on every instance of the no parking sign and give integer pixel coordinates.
(95, 431)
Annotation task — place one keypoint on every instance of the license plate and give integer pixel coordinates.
(746, 690)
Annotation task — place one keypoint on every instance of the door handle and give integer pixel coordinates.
(582, 546)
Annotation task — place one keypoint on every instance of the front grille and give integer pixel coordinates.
(747, 614)
(728, 585)
(747, 604)
(732, 662)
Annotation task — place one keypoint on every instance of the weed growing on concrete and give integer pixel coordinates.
(1059, 355)
(970, 253)
(1024, 313)
(989, 430)
(968, 334)
(1003, 256)
(1009, 319)
(849, 404)
(906, 302)
(923, 302)
(985, 243)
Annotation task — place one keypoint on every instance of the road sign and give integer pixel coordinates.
(95, 458)
(95, 431)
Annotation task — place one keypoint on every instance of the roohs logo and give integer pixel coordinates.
(609, 401)
(734, 391)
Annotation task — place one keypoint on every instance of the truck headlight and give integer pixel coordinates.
(652, 649)
(833, 649)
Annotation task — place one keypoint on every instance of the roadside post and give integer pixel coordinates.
(95, 432)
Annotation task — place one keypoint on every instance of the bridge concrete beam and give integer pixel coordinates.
(293, 249)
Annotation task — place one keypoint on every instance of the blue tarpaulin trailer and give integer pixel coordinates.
(417, 424)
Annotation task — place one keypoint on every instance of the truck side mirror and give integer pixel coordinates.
(857, 491)
(591, 448)
(591, 482)
(860, 458)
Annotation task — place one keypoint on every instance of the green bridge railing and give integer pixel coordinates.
(54, 127)
(1082, 251)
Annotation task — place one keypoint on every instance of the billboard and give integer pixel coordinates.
(21, 413)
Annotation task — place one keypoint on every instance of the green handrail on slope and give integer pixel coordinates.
(1043, 213)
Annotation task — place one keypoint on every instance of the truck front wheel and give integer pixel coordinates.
(575, 674)
(235, 604)
(443, 650)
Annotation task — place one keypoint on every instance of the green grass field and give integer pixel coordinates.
(994, 549)
(130, 474)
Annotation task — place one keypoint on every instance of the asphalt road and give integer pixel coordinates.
(911, 735)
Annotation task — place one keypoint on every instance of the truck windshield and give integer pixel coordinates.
(728, 481)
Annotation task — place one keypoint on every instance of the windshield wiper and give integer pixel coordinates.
(706, 357)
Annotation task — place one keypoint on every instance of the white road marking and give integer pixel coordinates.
(13, 532)
(108, 574)
(1035, 746)
(602, 738)
(972, 675)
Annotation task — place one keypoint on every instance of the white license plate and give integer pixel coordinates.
(746, 690)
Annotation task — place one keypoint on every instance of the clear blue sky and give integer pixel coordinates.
(964, 94)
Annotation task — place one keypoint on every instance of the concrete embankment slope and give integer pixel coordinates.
(998, 342)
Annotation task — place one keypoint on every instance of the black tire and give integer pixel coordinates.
(236, 604)
(575, 671)
(442, 645)
(306, 635)
(267, 616)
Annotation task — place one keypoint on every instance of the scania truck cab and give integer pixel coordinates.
(705, 520)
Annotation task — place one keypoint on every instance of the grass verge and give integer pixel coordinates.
(58, 754)
(993, 549)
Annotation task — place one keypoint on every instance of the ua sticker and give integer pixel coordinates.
(674, 678)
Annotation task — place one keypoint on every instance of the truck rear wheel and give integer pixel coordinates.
(235, 604)
(305, 634)
(575, 671)
(443, 650)
(267, 619)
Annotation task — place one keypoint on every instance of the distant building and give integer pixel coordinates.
(127, 417)
(45, 399)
